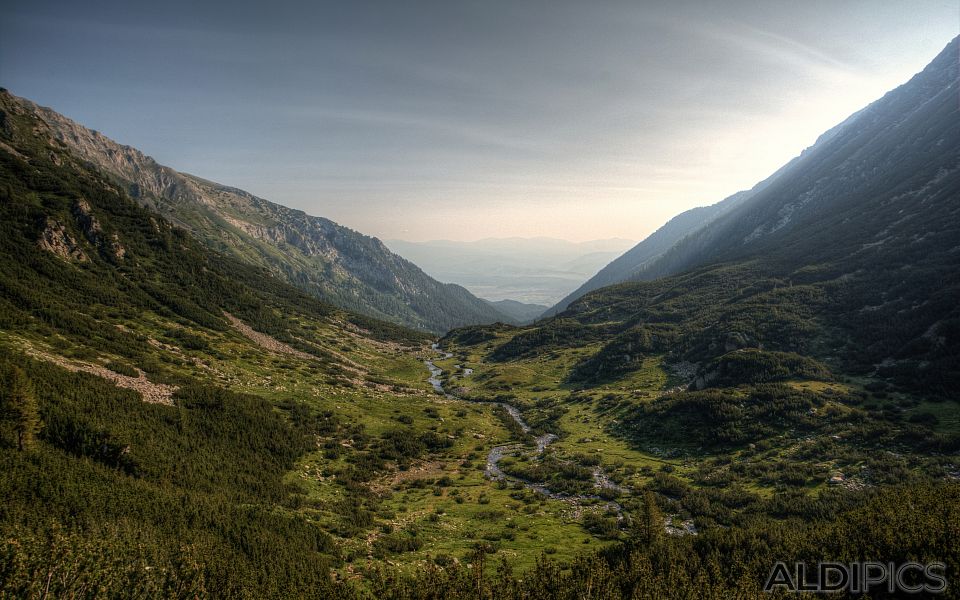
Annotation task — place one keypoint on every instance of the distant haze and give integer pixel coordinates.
(534, 271)
(462, 120)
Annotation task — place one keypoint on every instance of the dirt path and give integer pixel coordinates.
(274, 345)
(263, 340)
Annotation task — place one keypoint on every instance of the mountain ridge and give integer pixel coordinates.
(686, 241)
(770, 218)
(849, 254)
(333, 262)
(658, 242)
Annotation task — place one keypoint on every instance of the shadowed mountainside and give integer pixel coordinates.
(849, 254)
(884, 165)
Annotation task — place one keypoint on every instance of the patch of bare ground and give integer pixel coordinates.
(345, 362)
(360, 333)
(263, 340)
(271, 344)
(8, 149)
(396, 524)
(156, 393)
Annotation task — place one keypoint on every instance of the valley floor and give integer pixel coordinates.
(420, 457)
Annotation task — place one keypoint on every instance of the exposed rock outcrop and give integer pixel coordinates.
(57, 240)
(93, 230)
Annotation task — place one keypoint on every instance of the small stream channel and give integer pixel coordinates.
(600, 479)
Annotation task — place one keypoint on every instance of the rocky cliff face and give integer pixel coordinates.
(57, 240)
(335, 263)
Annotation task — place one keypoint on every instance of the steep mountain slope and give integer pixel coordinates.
(825, 189)
(868, 190)
(632, 261)
(177, 423)
(79, 258)
(168, 387)
(849, 255)
(334, 263)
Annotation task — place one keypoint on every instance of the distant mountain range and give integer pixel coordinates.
(529, 270)
(332, 262)
(518, 311)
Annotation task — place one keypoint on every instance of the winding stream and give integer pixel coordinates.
(600, 479)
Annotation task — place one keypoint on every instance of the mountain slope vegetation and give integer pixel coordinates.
(783, 354)
(332, 262)
(177, 423)
(125, 327)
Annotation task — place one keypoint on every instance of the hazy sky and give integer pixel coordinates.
(463, 120)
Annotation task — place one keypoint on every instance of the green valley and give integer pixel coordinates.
(193, 397)
(203, 394)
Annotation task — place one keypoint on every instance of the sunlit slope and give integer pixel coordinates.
(327, 260)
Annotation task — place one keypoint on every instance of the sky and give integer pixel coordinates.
(470, 119)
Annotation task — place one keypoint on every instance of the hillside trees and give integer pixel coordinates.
(19, 412)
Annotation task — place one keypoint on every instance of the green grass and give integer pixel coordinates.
(518, 526)
(587, 419)
(590, 422)
(947, 413)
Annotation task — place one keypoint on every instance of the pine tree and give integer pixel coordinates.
(647, 525)
(20, 410)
